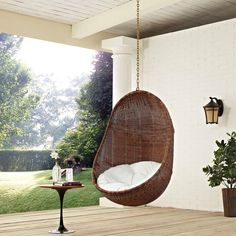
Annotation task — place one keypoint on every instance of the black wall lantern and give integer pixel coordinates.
(213, 110)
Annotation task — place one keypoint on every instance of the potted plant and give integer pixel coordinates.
(223, 171)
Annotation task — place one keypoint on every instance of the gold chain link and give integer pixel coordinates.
(138, 37)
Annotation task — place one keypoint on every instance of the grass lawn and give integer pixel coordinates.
(20, 192)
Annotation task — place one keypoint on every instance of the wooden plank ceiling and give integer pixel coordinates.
(88, 17)
(181, 15)
(64, 11)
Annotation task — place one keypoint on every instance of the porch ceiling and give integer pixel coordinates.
(87, 18)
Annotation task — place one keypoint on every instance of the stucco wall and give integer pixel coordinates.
(184, 69)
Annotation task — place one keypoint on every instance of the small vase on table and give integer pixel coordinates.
(56, 173)
(56, 170)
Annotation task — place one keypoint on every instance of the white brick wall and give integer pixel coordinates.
(184, 69)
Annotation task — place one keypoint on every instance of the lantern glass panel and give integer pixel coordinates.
(212, 115)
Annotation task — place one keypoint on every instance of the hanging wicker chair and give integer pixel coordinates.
(139, 129)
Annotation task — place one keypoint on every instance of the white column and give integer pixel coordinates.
(124, 57)
(124, 54)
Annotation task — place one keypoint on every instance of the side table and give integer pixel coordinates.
(61, 191)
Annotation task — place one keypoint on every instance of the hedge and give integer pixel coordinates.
(27, 160)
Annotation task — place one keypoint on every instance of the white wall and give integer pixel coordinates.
(183, 69)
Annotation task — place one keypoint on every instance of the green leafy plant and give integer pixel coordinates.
(94, 108)
(223, 170)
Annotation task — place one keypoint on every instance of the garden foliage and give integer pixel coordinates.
(25, 160)
(94, 107)
(16, 99)
(223, 170)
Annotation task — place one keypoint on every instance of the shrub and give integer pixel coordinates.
(223, 170)
(25, 160)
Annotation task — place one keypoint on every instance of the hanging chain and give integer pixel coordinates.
(138, 49)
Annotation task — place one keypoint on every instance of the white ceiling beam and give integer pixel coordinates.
(116, 16)
(34, 27)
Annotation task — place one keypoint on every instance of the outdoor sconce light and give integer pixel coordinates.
(213, 110)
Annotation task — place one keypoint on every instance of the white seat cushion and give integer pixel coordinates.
(123, 177)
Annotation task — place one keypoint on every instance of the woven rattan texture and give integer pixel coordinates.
(139, 129)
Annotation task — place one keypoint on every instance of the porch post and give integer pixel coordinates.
(124, 52)
(124, 73)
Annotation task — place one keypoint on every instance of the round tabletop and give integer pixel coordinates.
(61, 187)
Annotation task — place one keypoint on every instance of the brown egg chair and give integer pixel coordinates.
(139, 129)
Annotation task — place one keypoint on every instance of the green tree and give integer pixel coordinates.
(94, 107)
(96, 97)
(16, 99)
(53, 116)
